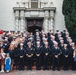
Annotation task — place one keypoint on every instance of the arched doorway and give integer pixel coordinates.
(33, 24)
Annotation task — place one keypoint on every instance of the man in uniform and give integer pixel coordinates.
(16, 56)
(21, 57)
(29, 54)
(6, 45)
(56, 53)
(46, 52)
(38, 52)
(65, 53)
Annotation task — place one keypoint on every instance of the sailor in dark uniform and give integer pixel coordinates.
(61, 46)
(65, 53)
(56, 53)
(21, 57)
(16, 56)
(6, 45)
(29, 54)
(46, 52)
(38, 52)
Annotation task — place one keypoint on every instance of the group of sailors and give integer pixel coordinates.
(43, 50)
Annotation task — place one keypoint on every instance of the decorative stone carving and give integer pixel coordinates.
(22, 21)
(46, 22)
(21, 12)
(51, 25)
(17, 14)
(47, 14)
(16, 20)
(45, 25)
(52, 14)
(16, 24)
(22, 24)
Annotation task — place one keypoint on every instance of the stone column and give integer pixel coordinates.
(22, 21)
(16, 20)
(51, 24)
(46, 21)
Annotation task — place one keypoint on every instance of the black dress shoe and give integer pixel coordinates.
(58, 69)
(53, 69)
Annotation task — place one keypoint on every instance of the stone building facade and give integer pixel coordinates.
(21, 15)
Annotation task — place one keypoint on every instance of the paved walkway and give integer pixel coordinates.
(41, 72)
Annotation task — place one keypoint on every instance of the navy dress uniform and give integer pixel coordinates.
(46, 52)
(71, 54)
(56, 53)
(65, 53)
(6, 46)
(29, 54)
(61, 46)
(16, 56)
(21, 57)
(38, 52)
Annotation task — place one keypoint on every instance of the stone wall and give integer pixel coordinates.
(7, 15)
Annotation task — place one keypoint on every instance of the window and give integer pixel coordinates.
(34, 3)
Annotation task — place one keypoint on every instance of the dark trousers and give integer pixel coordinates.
(65, 64)
(46, 62)
(55, 62)
(29, 63)
(61, 60)
(38, 62)
(74, 65)
(16, 60)
(71, 60)
(0, 65)
(21, 63)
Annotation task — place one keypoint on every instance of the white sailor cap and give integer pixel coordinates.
(21, 44)
(55, 42)
(38, 42)
(31, 35)
(45, 39)
(53, 37)
(46, 43)
(14, 37)
(69, 37)
(59, 35)
(61, 40)
(67, 33)
(6, 37)
(70, 40)
(29, 43)
(73, 43)
(38, 39)
(65, 44)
